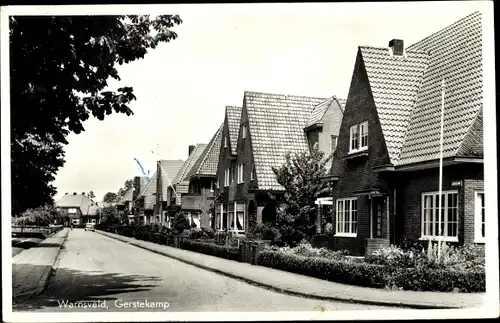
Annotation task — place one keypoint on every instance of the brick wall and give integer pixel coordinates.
(411, 185)
(357, 174)
(375, 244)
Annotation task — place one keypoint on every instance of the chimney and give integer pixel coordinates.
(65, 193)
(83, 193)
(191, 148)
(397, 46)
(137, 187)
(74, 193)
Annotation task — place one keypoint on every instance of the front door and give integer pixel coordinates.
(377, 216)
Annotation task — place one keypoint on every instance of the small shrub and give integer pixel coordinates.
(288, 236)
(211, 249)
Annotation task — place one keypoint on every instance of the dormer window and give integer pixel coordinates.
(244, 131)
(358, 137)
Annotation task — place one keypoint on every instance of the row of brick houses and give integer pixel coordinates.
(384, 140)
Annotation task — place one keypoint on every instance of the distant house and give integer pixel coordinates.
(255, 139)
(146, 201)
(80, 208)
(126, 205)
(166, 173)
(197, 202)
(386, 165)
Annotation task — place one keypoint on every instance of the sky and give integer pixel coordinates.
(182, 87)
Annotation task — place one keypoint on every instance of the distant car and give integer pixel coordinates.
(90, 227)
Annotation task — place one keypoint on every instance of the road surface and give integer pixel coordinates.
(104, 274)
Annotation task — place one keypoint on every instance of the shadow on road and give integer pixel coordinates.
(74, 285)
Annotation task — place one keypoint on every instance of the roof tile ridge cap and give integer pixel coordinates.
(207, 149)
(446, 28)
(413, 111)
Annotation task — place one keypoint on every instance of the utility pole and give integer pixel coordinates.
(441, 200)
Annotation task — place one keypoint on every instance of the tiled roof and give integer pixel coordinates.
(169, 170)
(276, 126)
(76, 201)
(148, 192)
(207, 163)
(233, 120)
(320, 110)
(127, 197)
(186, 167)
(394, 82)
(456, 56)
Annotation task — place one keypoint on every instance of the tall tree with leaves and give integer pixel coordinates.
(302, 177)
(59, 69)
(110, 197)
(126, 186)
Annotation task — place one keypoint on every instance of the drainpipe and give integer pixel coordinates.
(371, 216)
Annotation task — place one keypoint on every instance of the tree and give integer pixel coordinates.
(302, 177)
(109, 215)
(59, 69)
(110, 197)
(126, 186)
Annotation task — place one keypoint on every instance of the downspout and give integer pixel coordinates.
(371, 215)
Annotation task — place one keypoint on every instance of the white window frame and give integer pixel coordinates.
(226, 177)
(244, 131)
(444, 236)
(72, 210)
(235, 218)
(358, 127)
(340, 217)
(240, 173)
(333, 138)
(252, 173)
(478, 238)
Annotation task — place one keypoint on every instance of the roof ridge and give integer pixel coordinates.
(449, 26)
(284, 95)
(207, 149)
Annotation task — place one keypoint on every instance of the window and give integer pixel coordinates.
(252, 173)
(347, 217)
(480, 217)
(212, 185)
(445, 211)
(226, 177)
(72, 210)
(333, 143)
(233, 170)
(225, 141)
(244, 131)
(359, 137)
(240, 173)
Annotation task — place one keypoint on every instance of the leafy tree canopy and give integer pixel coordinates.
(126, 186)
(302, 177)
(110, 197)
(59, 71)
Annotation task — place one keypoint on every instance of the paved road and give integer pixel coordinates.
(92, 267)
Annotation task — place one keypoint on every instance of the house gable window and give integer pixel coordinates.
(244, 131)
(433, 210)
(333, 143)
(226, 177)
(346, 220)
(240, 173)
(358, 137)
(479, 217)
(225, 141)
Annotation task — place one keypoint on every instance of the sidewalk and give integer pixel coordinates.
(31, 268)
(310, 287)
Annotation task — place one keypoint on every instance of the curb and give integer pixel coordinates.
(288, 291)
(45, 278)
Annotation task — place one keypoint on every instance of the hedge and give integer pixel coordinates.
(373, 275)
(211, 249)
(353, 273)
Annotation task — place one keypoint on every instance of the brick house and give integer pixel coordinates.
(178, 186)
(269, 126)
(166, 172)
(79, 208)
(197, 202)
(385, 170)
(146, 202)
(127, 204)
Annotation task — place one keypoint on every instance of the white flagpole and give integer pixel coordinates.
(441, 209)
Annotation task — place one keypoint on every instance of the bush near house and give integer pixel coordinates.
(457, 270)
(211, 249)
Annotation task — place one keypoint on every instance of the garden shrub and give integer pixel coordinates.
(361, 274)
(211, 249)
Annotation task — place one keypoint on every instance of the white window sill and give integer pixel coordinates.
(346, 235)
(480, 241)
(435, 239)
